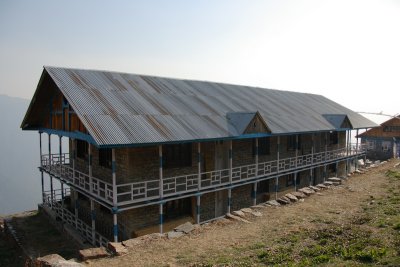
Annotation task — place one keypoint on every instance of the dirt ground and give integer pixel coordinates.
(216, 245)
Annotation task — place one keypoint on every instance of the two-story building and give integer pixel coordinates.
(147, 153)
(383, 142)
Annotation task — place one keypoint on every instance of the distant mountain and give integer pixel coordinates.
(20, 187)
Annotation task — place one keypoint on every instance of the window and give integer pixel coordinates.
(370, 145)
(391, 129)
(264, 146)
(177, 156)
(333, 138)
(291, 142)
(105, 157)
(81, 149)
(386, 146)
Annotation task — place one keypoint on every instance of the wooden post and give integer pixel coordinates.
(41, 165)
(50, 157)
(254, 194)
(198, 209)
(198, 167)
(256, 148)
(93, 217)
(230, 161)
(115, 199)
(277, 153)
(312, 148)
(297, 147)
(90, 168)
(161, 184)
(161, 218)
(76, 208)
(73, 159)
(356, 162)
(62, 201)
(229, 199)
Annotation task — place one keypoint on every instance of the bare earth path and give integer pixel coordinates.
(216, 244)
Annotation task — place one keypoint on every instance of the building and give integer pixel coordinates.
(383, 142)
(147, 153)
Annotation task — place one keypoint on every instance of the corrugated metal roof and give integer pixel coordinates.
(122, 109)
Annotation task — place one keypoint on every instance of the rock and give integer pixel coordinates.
(383, 162)
(360, 162)
(221, 221)
(298, 194)
(258, 207)
(236, 218)
(93, 253)
(142, 239)
(247, 210)
(186, 228)
(49, 260)
(377, 162)
(273, 203)
(291, 197)
(117, 248)
(319, 194)
(239, 213)
(314, 188)
(173, 234)
(256, 214)
(327, 183)
(321, 186)
(68, 263)
(283, 201)
(301, 200)
(335, 180)
(307, 191)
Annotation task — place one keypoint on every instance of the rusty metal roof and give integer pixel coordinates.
(123, 109)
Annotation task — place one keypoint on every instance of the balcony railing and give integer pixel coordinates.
(129, 193)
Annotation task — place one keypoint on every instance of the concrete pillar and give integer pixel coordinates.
(51, 191)
(229, 199)
(161, 218)
(115, 228)
(93, 218)
(356, 161)
(295, 181)
(254, 194)
(276, 187)
(90, 159)
(62, 201)
(50, 157)
(230, 161)
(277, 153)
(325, 173)
(198, 209)
(311, 176)
(115, 199)
(297, 150)
(160, 173)
(256, 154)
(337, 169)
(198, 167)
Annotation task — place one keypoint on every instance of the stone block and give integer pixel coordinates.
(298, 194)
(69, 263)
(239, 213)
(173, 234)
(117, 248)
(283, 201)
(306, 191)
(291, 197)
(49, 260)
(273, 203)
(315, 188)
(185, 228)
(236, 218)
(321, 186)
(93, 253)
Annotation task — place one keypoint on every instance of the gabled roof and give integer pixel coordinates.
(339, 121)
(242, 121)
(125, 109)
(380, 132)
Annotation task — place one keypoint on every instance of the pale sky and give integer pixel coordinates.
(348, 51)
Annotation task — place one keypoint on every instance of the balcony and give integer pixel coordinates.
(130, 193)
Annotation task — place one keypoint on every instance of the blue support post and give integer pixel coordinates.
(198, 209)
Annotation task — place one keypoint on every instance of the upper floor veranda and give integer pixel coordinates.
(130, 176)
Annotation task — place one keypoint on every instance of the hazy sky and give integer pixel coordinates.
(348, 51)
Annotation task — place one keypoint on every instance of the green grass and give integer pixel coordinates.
(370, 238)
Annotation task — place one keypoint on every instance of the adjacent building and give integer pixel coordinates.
(138, 154)
(383, 142)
